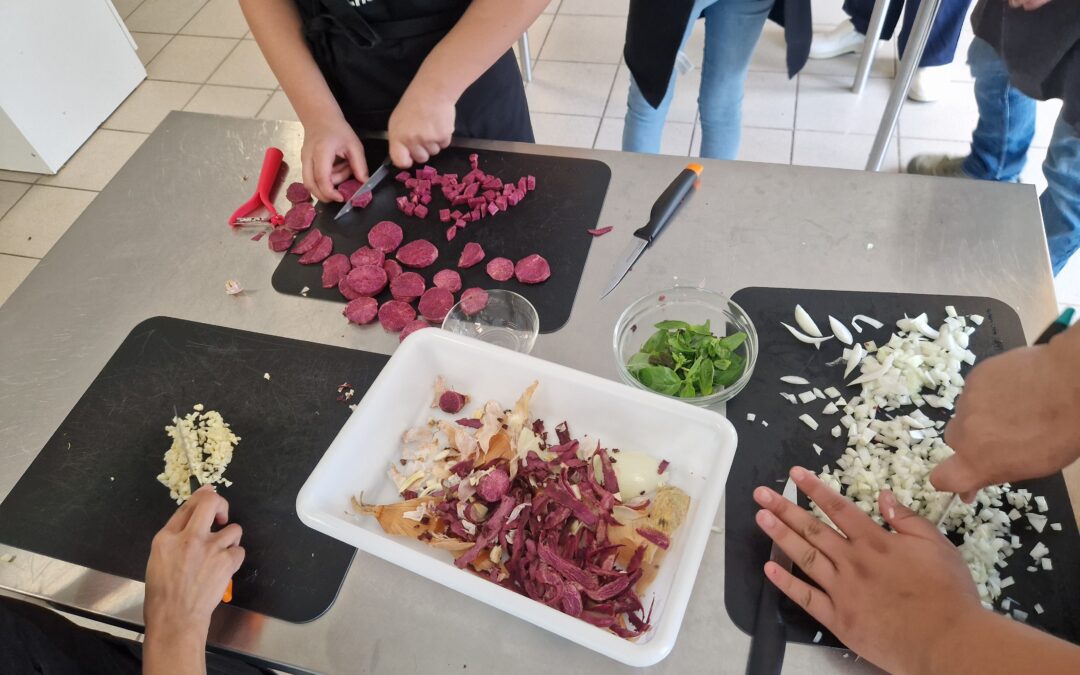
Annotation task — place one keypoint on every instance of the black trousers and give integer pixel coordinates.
(36, 640)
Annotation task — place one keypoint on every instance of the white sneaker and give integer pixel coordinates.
(843, 39)
(928, 84)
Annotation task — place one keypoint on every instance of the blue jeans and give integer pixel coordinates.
(732, 29)
(1000, 143)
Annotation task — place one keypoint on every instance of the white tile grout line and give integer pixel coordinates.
(607, 102)
(201, 8)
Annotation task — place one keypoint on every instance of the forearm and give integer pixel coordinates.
(483, 34)
(277, 29)
(180, 653)
(1004, 646)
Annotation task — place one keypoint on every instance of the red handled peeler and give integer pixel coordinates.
(261, 198)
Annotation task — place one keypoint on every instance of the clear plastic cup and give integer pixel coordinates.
(508, 320)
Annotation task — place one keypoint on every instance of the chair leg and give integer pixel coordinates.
(870, 46)
(524, 58)
(916, 45)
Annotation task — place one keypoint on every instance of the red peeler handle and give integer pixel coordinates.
(270, 167)
(267, 177)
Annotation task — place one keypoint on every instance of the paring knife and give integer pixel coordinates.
(662, 211)
(372, 182)
(182, 440)
(769, 641)
(1060, 325)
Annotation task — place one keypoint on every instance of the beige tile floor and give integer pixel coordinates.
(200, 57)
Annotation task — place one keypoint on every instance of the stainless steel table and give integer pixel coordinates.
(155, 242)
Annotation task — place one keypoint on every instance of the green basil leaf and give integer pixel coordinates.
(656, 343)
(688, 390)
(733, 341)
(672, 325)
(637, 362)
(660, 378)
(705, 375)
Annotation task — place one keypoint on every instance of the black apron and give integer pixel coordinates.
(370, 53)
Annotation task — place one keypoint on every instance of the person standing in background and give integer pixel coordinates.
(421, 70)
(656, 32)
(1025, 50)
(930, 78)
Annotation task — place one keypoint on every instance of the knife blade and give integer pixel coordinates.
(372, 182)
(769, 640)
(662, 211)
(182, 440)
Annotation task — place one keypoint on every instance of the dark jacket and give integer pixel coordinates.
(1041, 48)
(654, 29)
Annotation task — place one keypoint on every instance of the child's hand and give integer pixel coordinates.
(331, 153)
(420, 126)
(891, 597)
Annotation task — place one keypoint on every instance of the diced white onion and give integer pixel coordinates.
(808, 421)
(750, 417)
(794, 379)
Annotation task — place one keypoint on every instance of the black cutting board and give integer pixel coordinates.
(91, 497)
(766, 453)
(551, 221)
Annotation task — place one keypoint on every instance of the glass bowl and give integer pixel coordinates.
(694, 306)
(508, 320)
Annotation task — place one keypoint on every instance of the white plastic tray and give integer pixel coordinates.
(699, 444)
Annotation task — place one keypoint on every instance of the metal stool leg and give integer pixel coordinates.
(525, 58)
(924, 19)
(870, 46)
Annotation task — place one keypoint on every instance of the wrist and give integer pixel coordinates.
(432, 86)
(965, 628)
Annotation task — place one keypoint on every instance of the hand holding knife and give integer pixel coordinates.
(372, 182)
(769, 639)
(662, 211)
(196, 473)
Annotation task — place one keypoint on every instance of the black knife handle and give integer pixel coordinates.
(769, 640)
(668, 203)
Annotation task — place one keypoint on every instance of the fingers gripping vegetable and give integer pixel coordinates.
(688, 361)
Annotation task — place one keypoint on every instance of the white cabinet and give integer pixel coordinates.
(65, 66)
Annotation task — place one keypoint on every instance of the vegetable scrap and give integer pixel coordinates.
(554, 519)
(345, 392)
(688, 361)
(233, 287)
(211, 443)
(600, 231)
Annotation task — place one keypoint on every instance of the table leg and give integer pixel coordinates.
(870, 47)
(525, 58)
(924, 19)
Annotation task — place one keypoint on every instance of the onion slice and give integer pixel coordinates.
(840, 330)
(868, 320)
(816, 341)
(802, 317)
